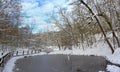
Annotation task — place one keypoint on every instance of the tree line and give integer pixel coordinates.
(87, 18)
(76, 27)
(11, 32)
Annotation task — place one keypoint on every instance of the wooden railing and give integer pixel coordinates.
(24, 52)
(6, 57)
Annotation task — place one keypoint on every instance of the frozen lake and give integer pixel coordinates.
(61, 63)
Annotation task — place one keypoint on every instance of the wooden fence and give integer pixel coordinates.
(24, 52)
(6, 57)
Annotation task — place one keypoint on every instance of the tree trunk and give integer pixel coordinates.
(98, 24)
(58, 45)
(107, 19)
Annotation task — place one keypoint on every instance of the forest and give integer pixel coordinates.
(76, 27)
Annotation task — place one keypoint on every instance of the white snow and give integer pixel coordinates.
(115, 57)
(112, 68)
(105, 52)
(100, 48)
(41, 53)
(101, 71)
(99, 51)
(10, 64)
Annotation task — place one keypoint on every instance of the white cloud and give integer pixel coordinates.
(29, 5)
(38, 14)
(47, 27)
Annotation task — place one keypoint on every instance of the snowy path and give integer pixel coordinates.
(60, 63)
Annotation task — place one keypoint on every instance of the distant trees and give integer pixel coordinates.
(88, 18)
(11, 34)
(109, 17)
(25, 36)
(77, 27)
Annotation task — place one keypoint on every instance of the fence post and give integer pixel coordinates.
(39, 50)
(17, 53)
(12, 53)
(23, 52)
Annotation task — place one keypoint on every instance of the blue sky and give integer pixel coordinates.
(36, 13)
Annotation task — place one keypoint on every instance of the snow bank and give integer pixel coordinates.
(10, 64)
(115, 57)
(98, 49)
(41, 53)
(102, 51)
(112, 68)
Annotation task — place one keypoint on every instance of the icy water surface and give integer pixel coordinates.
(61, 63)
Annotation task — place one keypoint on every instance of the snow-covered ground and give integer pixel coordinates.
(102, 51)
(105, 52)
(112, 68)
(100, 48)
(11, 63)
